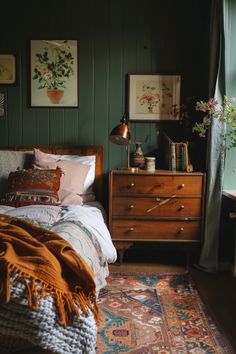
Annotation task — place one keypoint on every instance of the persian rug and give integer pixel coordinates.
(156, 313)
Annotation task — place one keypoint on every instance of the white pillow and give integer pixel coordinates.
(90, 160)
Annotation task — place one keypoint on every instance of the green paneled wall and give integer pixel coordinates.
(115, 38)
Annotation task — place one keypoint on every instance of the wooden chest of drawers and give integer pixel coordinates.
(160, 206)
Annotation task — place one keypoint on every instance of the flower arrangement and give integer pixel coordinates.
(225, 113)
(54, 65)
(149, 97)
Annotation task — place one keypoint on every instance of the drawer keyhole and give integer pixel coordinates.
(157, 185)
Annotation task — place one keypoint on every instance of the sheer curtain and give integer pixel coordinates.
(218, 78)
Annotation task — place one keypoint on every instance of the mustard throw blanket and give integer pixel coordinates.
(47, 264)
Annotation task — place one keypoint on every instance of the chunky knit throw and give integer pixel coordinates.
(23, 328)
(47, 264)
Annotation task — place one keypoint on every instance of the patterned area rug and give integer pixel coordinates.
(156, 314)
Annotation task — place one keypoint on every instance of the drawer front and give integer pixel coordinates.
(162, 207)
(126, 185)
(131, 230)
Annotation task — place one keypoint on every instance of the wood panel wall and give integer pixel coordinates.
(116, 38)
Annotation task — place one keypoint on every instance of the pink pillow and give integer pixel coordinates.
(72, 179)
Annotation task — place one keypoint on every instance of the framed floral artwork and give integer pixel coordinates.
(153, 97)
(54, 73)
(7, 69)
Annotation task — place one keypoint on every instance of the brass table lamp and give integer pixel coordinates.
(121, 135)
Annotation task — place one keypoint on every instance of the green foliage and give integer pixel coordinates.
(53, 66)
(225, 113)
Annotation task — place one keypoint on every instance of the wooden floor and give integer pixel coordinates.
(218, 291)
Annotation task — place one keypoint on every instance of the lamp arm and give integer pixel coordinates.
(128, 155)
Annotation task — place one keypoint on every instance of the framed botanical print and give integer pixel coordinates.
(54, 73)
(153, 97)
(7, 69)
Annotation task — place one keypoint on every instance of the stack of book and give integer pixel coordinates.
(177, 155)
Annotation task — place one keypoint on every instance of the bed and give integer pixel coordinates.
(68, 217)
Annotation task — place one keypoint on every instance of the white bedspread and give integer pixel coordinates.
(82, 226)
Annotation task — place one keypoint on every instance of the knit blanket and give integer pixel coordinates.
(23, 328)
(47, 265)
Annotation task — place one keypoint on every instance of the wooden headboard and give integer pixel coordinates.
(73, 150)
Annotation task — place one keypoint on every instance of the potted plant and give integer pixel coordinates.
(53, 67)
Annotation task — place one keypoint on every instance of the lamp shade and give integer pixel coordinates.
(121, 133)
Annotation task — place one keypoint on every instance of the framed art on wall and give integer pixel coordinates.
(153, 97)
(7, 69)
(2, 103)
(54, 73)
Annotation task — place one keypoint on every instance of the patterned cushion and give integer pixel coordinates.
(33, 186)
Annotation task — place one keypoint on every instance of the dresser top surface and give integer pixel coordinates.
(138, 172)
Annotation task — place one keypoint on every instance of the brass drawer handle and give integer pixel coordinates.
(181, 230)
(181, 207)
(131, 206)
(131, 229)
(181, 185)
(131, 185)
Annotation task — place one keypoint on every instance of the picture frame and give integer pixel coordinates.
(2, 104)
(54, 73)
(7, 69)
(153, 97)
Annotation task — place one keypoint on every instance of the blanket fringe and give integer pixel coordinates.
(68, 304)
